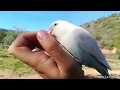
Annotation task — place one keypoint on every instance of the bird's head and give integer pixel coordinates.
(58, 28)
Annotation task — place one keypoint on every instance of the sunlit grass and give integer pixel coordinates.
(9, 62)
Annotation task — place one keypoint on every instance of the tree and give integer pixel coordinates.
(2, 35)
(11, 36)
(117, 44)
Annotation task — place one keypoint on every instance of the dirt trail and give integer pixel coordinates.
(7, 74)
(114, 74)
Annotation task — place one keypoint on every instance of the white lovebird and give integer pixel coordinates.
(80, 44)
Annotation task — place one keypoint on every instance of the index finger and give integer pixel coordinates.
(55, 50)
(27, 39)
(20, 48)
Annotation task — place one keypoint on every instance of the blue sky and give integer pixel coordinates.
(41, 20)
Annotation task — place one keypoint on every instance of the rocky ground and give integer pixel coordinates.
(90, 73)
(93, 74)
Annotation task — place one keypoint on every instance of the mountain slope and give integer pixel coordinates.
(105, 30)
(5, 30)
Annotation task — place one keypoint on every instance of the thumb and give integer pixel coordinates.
(52, 47)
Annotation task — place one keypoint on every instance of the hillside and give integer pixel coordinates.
(5, 30)
(105, 30)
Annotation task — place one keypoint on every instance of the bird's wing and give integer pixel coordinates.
(89, 45)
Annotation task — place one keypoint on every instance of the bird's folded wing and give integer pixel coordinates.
(89, 45)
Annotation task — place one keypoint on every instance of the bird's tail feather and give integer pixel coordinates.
(92, 62)
(103, 70)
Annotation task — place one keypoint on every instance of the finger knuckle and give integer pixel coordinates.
(53, 47)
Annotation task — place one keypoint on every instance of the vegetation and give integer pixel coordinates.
(11, 63)
(7, 37)
(2, 35)
(117, 44)
(11, 36)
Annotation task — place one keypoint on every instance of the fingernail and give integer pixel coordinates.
(42, 35)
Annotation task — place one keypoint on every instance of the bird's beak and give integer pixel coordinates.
(50, 30)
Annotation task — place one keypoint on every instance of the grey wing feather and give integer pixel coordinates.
(89, 45)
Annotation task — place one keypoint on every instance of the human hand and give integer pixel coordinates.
(59, 66)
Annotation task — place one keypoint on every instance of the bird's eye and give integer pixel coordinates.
(55, 24)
